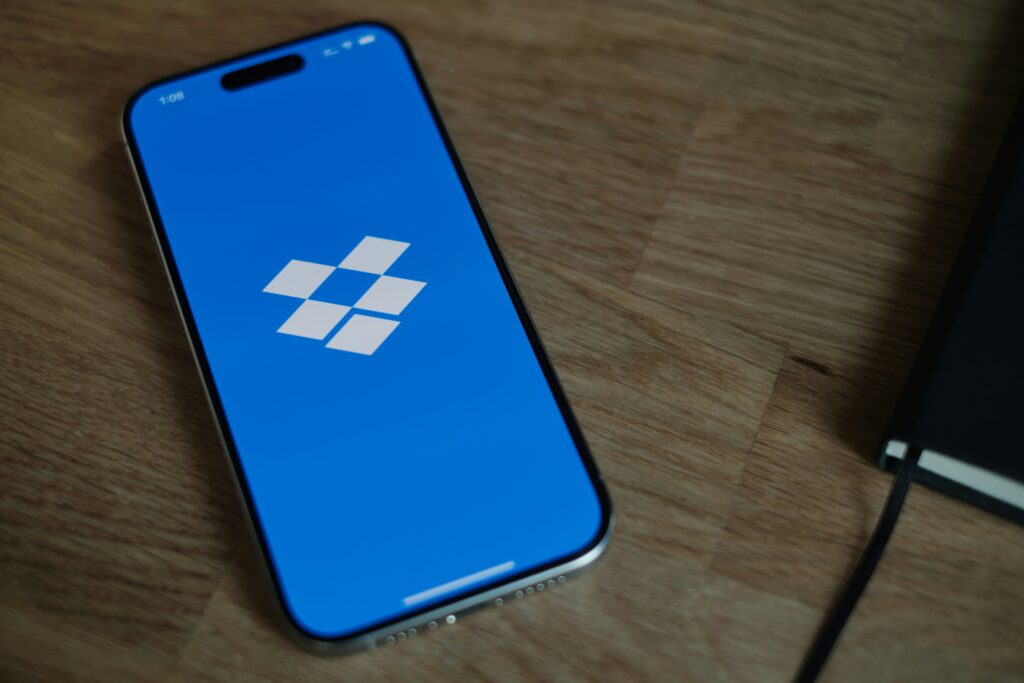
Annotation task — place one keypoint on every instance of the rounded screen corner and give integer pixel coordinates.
(128, 110)
(598, 543)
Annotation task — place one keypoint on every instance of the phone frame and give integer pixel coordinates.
(387, 631)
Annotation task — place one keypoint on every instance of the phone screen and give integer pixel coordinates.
(398, 438)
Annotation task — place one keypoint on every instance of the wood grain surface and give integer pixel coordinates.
(731, 221)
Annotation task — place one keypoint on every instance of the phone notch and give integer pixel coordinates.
(264, 71)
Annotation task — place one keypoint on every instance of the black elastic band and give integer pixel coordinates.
(843, 608)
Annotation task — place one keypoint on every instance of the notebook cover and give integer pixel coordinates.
(965, 394)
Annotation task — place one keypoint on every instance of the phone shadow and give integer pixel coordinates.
(132, 236)
(995, 87)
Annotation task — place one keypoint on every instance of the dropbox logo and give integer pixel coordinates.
(317, 319)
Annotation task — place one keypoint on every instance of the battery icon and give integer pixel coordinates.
(367, 39)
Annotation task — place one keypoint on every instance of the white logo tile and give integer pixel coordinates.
(314, 319)
(299, 279)
(362, 334)
(389, 295)
(374, 255)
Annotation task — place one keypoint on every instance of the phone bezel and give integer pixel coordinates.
(447, 611)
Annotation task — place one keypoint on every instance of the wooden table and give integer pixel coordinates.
(731, 221)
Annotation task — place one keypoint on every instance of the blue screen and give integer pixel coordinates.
(398, 437)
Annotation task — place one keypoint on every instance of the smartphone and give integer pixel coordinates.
(398, 436)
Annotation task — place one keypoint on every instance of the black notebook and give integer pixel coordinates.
(964, 401)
